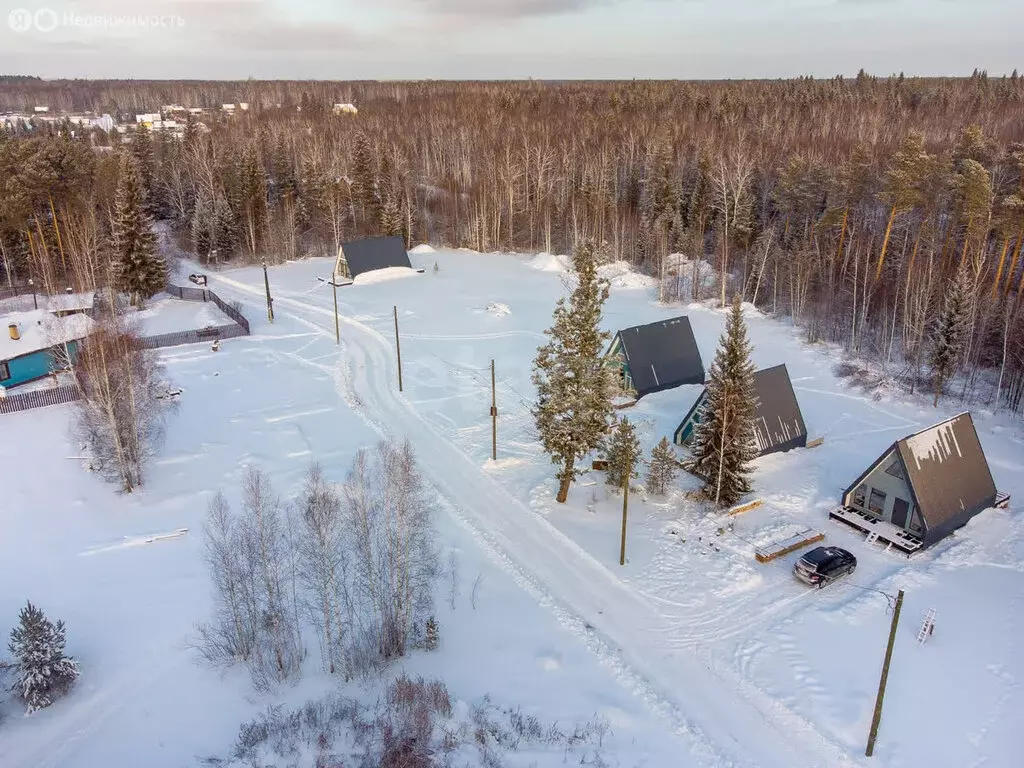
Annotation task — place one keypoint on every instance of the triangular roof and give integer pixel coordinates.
(778, 422)
(946, 470)
(375, 253)
(661, 355)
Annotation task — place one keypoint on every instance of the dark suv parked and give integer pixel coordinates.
(823, 565)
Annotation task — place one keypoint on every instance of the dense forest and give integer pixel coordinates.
(884, 214)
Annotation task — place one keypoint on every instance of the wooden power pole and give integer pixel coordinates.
(877, 717)
(270, 301)
(494, 417)
(625, 507)
(398, 351)
(337, 324)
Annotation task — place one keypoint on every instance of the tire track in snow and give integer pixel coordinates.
(730, 723)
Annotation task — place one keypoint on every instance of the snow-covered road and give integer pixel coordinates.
(724, 720)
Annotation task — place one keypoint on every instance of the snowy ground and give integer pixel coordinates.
(696, 654)
(164, 314)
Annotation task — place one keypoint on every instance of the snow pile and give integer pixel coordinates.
(498, 309)
(423, 248)
(381, 275)
(620, 274)
(549, 262)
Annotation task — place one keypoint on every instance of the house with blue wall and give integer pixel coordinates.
(36, 344)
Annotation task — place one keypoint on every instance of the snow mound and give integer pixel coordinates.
(499, 309)
(380, 275)
(620, 274)
(549, 262)
(423, 248)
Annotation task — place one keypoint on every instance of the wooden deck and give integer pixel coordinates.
(878, 530)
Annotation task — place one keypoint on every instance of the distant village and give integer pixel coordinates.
(171, 119)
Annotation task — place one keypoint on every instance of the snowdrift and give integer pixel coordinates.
(382, 275)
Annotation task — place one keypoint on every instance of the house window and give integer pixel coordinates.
(877, 503)
(5, 371)
(895, 469)
(859, 494)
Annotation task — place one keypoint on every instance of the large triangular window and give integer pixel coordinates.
(895, 469)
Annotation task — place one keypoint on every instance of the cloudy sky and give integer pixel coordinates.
(485, 39)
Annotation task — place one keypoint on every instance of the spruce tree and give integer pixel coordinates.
(950, 330)
(724, 445)
(622, 453)
(43, 671)
(574, 388)
(139, 269)
(661, 468)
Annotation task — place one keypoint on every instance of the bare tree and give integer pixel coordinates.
(394, 564)
(324, 560)
(123, 407)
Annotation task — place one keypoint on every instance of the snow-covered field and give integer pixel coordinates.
(694, 652)
(165, 314)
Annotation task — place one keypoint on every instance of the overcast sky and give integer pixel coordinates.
(485, 39)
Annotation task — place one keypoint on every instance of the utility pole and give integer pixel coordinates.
(398, 351)
(877, 717)
(270, 301)
(494, 417)
(337, 323)
(625, 507)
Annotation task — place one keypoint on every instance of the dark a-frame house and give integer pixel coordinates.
(923, 487)
(655, 357)
(361, 256)
(778, 422)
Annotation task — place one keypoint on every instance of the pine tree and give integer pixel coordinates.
(622, 453)
(253, 199)
(43, 671)
(724, 444)
(574, 388)
(141, 149)
(662, 468)
(430, 639)
(950, 328)
(139, 269)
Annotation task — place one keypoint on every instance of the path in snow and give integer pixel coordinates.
(727, 720)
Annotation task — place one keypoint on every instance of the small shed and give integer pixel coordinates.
(361, 256)
(35, 344)
(778, 423)
(923, 487)
(657, 356)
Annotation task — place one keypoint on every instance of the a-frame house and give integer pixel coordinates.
(361, 256)
(923, 487)
(778, 422)
(657, 356)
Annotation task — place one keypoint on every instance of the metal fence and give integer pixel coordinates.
(40, 398)
(188, 293)
(210, 333)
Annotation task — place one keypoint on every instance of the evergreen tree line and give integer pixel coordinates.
(850, 205)
(353, 563)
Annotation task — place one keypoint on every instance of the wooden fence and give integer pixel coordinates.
(188, 293)
(40, 398)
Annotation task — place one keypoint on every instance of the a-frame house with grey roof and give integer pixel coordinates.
(923, 487)
(657, 356)
(778, 423)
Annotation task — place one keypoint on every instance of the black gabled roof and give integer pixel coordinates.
(947, 473)
(778, 422)
(661, 355)
(375, 253)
